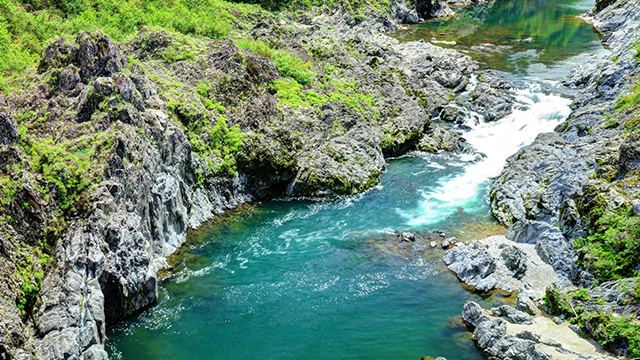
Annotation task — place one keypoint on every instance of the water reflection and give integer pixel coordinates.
(511, 35)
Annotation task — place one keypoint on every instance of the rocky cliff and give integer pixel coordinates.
(111, 152)
(554, 190)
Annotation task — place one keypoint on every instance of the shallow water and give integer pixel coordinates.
(292, 279)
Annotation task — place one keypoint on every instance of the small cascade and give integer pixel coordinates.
(534, 112)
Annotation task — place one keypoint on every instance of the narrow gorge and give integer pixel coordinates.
(184, 179)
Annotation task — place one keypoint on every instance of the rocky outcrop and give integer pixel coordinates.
(497, 263)
(104, 267)
(473, 265)
(524, 303)
(568, 177)
(512, 315)
(493, 104)
(491, 336)
(8, 128)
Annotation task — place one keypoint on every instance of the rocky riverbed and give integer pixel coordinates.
(550, 194)
(114, 151)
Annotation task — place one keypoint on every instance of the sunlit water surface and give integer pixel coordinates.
(291, 279)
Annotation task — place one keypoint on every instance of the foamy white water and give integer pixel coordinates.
(537, 113)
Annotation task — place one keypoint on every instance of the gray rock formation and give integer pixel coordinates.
(515, 260)
(493, 104)
(473, 314)
(496, 263)
(512, 315)
(8, 128)
(524, 303)
(551, 245)
(491, 336)
(473, 265)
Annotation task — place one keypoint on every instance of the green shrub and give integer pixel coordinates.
(226, 143)
(613, 249)
(289, 65)
(624, 329)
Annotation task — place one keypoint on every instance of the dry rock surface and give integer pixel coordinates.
(497, 263)
(533, 339)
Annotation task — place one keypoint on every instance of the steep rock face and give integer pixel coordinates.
(151, 192)
(8, 128)
(587, 166)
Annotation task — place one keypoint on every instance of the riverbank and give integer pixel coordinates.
(112, 150)
(573, 194)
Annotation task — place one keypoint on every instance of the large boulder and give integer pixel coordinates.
(491, 103)
(515, 260)
(525, 304)
(473, 314)
(512, 315)
(473, 265)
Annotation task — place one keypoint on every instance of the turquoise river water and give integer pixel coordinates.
(291, 279)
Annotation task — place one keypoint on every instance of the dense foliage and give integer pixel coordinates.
(27, 26)
(612, 252)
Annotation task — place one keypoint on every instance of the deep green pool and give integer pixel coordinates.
(294, 279)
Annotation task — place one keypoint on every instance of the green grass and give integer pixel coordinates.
(288, 65)
(292, 93)
(27, 26)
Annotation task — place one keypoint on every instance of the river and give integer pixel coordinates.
(293, 279)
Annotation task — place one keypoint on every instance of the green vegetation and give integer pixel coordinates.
(288, 65)
(29, 273)
(613, 250)
(625, 329)
(290, 92)
(630, 100)
(581, 308)
(27, 26)
(226, 142)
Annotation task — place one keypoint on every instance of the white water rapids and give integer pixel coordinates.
(534, 112)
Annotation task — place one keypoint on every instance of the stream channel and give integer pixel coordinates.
(294, 279)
